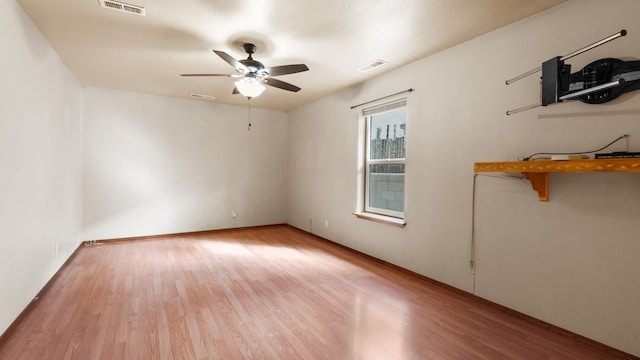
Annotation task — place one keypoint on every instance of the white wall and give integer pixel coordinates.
(40, 160)
(572, 261)
(156, 165)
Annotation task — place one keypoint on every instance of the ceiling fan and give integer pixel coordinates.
(253, 74)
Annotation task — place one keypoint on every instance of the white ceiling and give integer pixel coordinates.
(110, 49)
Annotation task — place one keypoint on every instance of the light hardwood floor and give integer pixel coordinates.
(264, 293)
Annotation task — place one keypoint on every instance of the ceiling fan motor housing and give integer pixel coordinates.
(254, 66)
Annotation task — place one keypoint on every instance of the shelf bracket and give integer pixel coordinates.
(539, 183)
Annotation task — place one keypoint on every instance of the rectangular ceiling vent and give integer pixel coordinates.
(372, 66)
(202, 96)
(128, 8)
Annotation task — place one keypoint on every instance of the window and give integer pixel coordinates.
(385, 128)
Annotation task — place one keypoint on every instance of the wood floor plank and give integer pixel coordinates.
(265, 293)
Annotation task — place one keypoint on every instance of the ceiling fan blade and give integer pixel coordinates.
(281, 84)
(287, 69)
(226, 75)
(230, 60)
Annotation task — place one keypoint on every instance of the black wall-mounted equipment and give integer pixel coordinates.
(599, 82)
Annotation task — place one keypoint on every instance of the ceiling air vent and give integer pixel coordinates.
(204, 97)
(115, 5)
(372, 66)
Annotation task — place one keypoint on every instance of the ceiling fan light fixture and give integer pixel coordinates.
(254, 75)
(249, 87)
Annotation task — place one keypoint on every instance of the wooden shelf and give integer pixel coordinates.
(537, 171)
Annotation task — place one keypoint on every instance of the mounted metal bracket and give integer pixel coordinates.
(599, 82)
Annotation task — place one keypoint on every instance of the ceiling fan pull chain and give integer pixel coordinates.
(249, 128)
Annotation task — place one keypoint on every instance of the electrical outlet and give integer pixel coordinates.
(326, 223)
(56, 248)
(234, 214)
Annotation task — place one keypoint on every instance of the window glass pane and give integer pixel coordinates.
(386, 186)
(384, 158)
(386, 135)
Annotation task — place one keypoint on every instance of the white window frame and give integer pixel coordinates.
(368, 114)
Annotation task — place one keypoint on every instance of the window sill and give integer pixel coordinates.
(401, 223)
